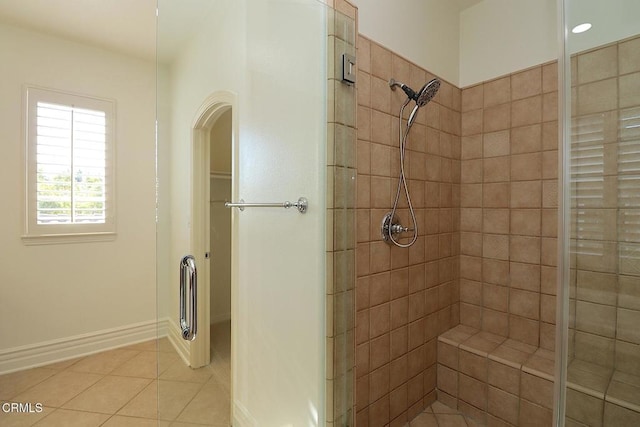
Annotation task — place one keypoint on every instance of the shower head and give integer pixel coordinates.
(425, 95)
(421, 98)
(427, 92)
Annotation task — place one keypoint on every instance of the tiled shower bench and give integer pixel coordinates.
(496, 380)
(502, 382)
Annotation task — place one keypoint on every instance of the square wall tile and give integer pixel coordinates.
(526, 83)
(496, 169)
(496, 118)
(550, 77)
(626, 358)
(629, 90)
(627, 325)
(495, 246)
(533, 415)
(526, 111)
(470, 291)
(472, 98)
(526, 167)
(496, 143)
(495, 271)
(537, 390)
(629, 56)
(504, 377)
(584, 408)
(495, 297)
(472, 391)
(473, 365)
(596, 319)
(470, 146)
(524, 303)
(496, 221)
(525, 276)
(495, 195)
(629, 294)
(526, 139)
(594, 348)
(526, 194)
(615, 415)
(495, 322)
(503, 405)
(497, 91)
(597, 97)
(526, 222)
(472, 123)
(525, 249)
(598, 64)
(524, 330)
(447, 380)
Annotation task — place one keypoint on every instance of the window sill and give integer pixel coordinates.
(57, 239)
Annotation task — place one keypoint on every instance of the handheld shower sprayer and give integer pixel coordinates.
(390, 225)
(421, 97)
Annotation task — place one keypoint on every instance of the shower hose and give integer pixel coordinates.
(402, 184)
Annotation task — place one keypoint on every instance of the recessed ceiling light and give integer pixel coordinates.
(581, 28)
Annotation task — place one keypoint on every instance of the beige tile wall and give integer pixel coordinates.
(604, 365)
(605, 294)
(340, 239)
(404, 297)
(500, 187)
(508, 206)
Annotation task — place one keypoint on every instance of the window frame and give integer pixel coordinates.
(35, 233)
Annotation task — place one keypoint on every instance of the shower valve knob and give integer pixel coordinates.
(389, 227)
(398, 228)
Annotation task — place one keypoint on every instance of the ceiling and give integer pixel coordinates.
(99, 22)
(103, 23)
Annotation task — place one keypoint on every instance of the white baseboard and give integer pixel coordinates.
(242, 417)
(45, 353)
(163, 327)
(180, 345)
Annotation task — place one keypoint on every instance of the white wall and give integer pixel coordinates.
(425, 32)
(166, 266)
(484, 41)
(498, 37)
(493, 37)
(59, 292)
(272, 55)
(612, 20)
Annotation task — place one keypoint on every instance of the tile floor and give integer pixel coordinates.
(440, 415)
(122, 388)
(146, 384)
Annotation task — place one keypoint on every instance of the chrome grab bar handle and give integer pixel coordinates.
(188, 273)
(302, 204)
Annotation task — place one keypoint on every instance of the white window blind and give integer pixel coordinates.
(629, 191)
(70, 164)
(587, 185)
(70, 189)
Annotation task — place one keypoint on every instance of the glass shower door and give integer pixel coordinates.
(263, 63)
(602, 162)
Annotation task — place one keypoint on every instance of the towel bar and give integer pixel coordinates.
(302, 205)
